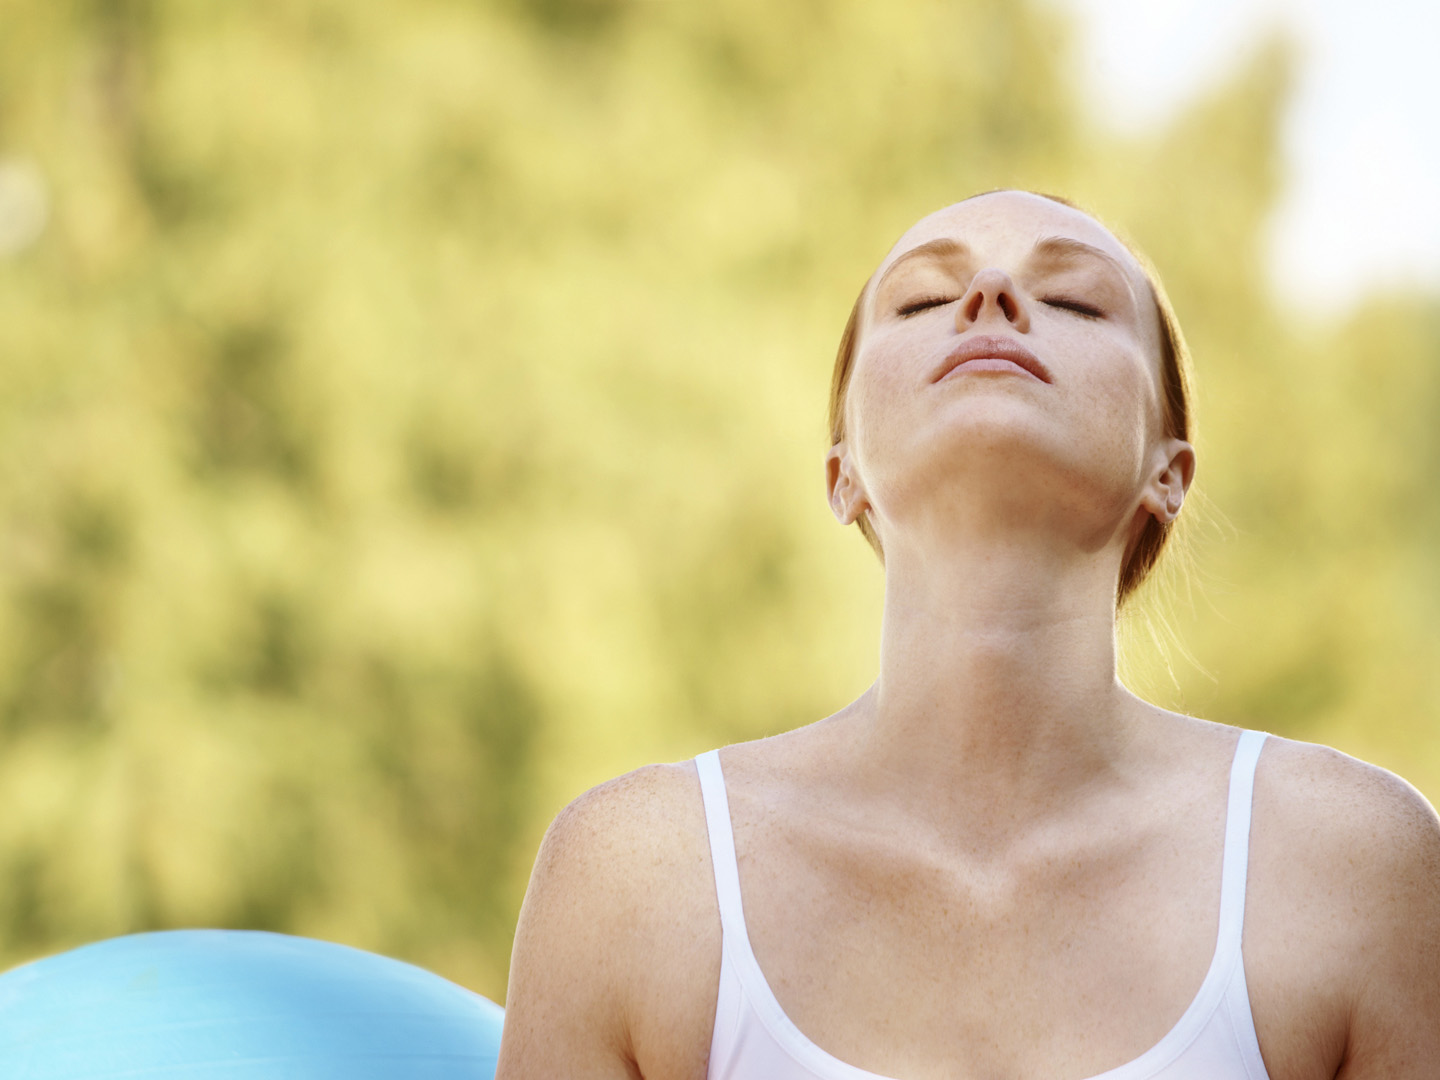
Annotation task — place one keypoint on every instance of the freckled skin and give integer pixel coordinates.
(1079, 444)
(997, 862)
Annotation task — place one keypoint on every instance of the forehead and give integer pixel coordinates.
(1003, 226)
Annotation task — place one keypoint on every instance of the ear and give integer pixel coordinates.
(1165, 492)
(842, 481)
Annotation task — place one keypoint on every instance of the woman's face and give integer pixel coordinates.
(1007, 364)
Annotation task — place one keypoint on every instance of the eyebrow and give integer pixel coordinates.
(1067, 245)
(941, 248)
(1061, 246)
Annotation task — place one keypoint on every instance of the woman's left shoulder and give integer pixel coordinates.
(1346, 848)
(1344, 805)
(1342, 924)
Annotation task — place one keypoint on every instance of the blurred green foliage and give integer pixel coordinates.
(412, 414)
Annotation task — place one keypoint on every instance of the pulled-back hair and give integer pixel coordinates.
(1174, 405)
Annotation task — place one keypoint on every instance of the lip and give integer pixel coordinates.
(991, 347)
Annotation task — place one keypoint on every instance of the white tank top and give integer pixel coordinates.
(1214, 1040)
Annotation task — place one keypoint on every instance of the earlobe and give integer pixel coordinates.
(846, 493)
(1165, 494)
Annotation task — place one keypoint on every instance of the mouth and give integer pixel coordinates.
(989, 353)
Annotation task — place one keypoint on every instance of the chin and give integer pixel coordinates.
(989, 425)
(1007, 464)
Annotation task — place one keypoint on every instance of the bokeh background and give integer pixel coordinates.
(412, 414)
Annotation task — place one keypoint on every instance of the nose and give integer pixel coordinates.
(992, 295)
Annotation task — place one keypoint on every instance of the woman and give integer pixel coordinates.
(997, 863)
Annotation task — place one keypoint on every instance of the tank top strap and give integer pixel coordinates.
(1236, 863)
(722, 844)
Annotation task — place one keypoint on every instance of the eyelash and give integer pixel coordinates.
(910, 308)
(1079, 307)
(1084, 310)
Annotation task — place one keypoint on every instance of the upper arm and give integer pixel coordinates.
(1395, 1015)
(564, 1008)
(600, 956)
(1342, 924)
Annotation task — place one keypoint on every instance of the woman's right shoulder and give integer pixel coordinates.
(617, 948)
(628, 822)
(629, 856)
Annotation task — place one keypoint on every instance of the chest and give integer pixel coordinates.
(1065, 962)
(1071, 961)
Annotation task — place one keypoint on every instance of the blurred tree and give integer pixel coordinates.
(413, 414)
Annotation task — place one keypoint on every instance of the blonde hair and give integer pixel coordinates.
(1175, 379)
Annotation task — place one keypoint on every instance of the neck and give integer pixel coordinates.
(997, 698)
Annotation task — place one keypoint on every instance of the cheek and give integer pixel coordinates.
(1120, 402)
(877, 402)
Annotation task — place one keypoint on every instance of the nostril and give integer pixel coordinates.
(991, 288)
(977, 301)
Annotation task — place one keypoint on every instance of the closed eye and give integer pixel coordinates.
(912, 306)
(1079, 307)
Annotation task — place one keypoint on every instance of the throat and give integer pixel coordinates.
(997, 695)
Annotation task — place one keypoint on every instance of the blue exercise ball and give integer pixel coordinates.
(239, 1005)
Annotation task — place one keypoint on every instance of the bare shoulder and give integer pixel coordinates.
(632, 825)
(617, 947)
(1360, 821)
(1343, 919)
